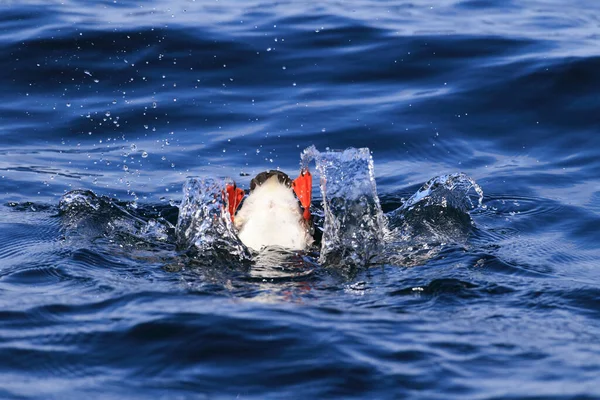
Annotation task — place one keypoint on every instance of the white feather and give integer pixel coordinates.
(271, 216)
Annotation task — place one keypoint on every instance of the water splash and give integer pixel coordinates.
(204, 225)
(435, 216)
(356, 233)
(354, 226)
(454, 190)
(84, 215)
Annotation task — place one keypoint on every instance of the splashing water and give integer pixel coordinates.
(86, 215)
(113, 230)
(354, 227)
(204, 225)
(435, 216)
(355, 231)
(452, 190)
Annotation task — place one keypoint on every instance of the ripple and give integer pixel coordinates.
(454, 288)
(521, 205)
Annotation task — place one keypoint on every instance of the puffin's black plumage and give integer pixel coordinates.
(264, 176)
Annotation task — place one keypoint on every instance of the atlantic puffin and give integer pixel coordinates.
(276, 211)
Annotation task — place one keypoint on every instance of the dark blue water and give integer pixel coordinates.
(128, 99)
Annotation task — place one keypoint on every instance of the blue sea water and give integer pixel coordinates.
(129, 99)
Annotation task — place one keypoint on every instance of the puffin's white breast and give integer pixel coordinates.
(271, 216)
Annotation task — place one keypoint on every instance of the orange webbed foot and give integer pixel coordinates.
(303, 188)
(234, 197)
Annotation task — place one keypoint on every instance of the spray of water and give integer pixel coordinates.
(435, 216)
(455, 190)
(86, 214)
(355, 231)
(204, 225)
(354, 227)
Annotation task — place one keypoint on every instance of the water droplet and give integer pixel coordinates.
(125, 168)
(145, 154)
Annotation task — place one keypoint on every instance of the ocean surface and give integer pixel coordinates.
(125, 101)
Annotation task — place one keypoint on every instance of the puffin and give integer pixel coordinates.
(276, 211)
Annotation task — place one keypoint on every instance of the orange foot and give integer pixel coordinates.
(303, 188)
(234, 196)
